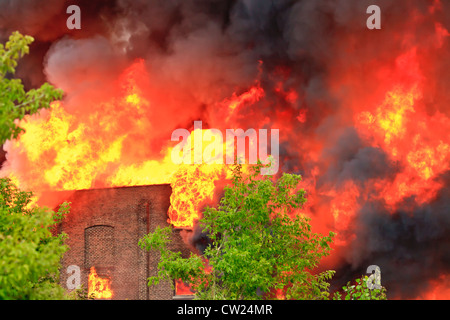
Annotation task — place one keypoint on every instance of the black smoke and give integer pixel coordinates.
(410, 245)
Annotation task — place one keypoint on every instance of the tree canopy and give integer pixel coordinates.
(29, 252)
(15, 101)
(257, 251)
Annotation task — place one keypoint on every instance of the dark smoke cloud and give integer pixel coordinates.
(205, 50)
(350, 159)
(410, 245)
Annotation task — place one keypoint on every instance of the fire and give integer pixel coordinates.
(186, 288)
(401, 127)
(343, 208)
(121, 136)
(182, 289)
(439, 289)
(72, 150)
(388, 122)
(99, 288)
(251, 96)
(192, 187)
(65, 150)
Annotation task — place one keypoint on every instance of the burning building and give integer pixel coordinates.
(104, 227)
(363, 116)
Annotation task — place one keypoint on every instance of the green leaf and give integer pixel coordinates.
(257, 246)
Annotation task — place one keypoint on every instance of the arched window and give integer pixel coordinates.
(99, 246)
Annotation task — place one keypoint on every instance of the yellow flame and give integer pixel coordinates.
(99, 288)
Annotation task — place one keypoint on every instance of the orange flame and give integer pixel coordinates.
(182, 289)
(401, 127)
(63, 150)
(192, 187)
(99, 288)
(439, 289)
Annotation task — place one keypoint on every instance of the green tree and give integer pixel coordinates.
(360, 291)
(29, 253)
(257, 246)
(15, 101)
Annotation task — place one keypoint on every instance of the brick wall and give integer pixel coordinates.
(104, 227)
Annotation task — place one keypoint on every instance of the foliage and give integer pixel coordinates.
(15, 102)
(258, 248)
(360, 291)
(29, 252)
(80, 294)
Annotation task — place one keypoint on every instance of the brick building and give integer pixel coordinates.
(104, 227)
